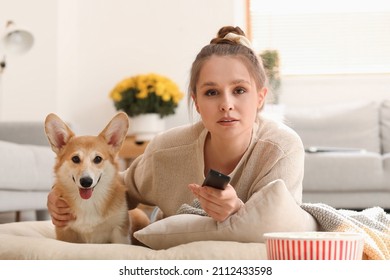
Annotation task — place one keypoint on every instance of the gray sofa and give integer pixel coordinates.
(26, 168)
(345, 178)
(347, 164)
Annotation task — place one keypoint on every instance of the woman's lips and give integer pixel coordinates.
(227, 121)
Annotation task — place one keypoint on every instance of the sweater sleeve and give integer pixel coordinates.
(134, 195)
(160, 176)
(289, 168)
(279, 156)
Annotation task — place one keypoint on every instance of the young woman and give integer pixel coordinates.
(228, 89)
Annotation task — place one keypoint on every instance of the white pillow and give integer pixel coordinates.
(270, 209)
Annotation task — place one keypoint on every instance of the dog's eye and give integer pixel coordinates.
(97, 159)
(76, 159)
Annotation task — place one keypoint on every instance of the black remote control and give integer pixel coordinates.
(216, 180)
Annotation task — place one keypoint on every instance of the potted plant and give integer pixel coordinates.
(145, 98)
(271, 64)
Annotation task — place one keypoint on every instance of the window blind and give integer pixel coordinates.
(323, 41)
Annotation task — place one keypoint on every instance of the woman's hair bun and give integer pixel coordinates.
(220, 39)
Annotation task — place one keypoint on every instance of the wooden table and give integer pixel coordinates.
(131, 149)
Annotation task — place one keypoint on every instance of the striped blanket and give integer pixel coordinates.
(373, 223)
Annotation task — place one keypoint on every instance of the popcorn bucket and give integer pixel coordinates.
(314, 246)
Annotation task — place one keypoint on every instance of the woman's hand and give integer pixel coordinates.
(58, 209)
(218, 204)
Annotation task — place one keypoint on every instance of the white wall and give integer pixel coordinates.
(29, 81)
(83, 48)
(121, 38)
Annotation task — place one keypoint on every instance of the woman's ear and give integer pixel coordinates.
(262, 93)
(193, 96)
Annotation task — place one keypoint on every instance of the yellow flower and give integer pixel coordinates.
(142, 94)
(150, 93)
(116, 95)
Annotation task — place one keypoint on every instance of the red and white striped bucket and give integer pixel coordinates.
(314, 246)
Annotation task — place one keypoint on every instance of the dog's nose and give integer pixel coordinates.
(86, 182)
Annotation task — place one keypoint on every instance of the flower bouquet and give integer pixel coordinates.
(144, 94)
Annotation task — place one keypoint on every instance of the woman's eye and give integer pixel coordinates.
(239, 90)
(76, 159)
(211, 92)
(97, 159)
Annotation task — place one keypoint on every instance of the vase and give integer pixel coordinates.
(145, 127)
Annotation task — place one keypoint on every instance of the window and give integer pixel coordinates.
(327, 37)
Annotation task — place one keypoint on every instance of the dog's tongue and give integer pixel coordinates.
(85, 193)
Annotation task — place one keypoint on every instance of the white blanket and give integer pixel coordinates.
(373, 223)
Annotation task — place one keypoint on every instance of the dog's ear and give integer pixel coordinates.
(115, 132)
(57, 132)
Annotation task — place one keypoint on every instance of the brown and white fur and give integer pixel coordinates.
(87, 178)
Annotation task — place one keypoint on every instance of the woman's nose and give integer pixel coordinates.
(226, 104)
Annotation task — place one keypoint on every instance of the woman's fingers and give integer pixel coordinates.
(58, 208)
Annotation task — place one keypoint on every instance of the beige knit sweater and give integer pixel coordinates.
(175, 158)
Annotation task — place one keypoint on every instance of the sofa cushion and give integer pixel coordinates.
(343, 172)
(270, 209)
(23, 132)
(19, 200)
(27, 167)
(385, 126)
(354, 125)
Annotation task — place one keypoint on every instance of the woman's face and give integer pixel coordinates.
(226, 97)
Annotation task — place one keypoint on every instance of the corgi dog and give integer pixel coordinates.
(87, 178)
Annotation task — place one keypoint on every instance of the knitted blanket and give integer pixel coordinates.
(195, 209)
(373, 223)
